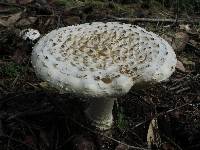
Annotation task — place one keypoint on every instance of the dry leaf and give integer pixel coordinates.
(3, 23)
(180, 66)
(153, 135)
(121, 147)
(26, 21)
(10, 20)
(185, 27)
(193, 42)
(181, 39)
(186, 61)
(14, 18)
(44, 85)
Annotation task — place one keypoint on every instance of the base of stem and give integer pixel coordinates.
(99, 113)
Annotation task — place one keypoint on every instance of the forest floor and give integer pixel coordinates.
(37, 117)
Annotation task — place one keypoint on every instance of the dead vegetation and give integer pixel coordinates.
(34, 116)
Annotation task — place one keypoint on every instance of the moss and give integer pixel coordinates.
(10, 70)
(121, 122)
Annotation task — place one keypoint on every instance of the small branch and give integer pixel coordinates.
(154, 20)
(182, 90)
(160, 114)
(108, 137)
(90, 130)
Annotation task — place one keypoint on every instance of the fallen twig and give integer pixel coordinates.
(154, 20)
(160, 114)
(108, 137)
(92, 131)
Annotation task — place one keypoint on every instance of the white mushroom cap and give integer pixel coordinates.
(102, 59)
(30, 34)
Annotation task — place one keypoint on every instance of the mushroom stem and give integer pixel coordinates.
(99, 112)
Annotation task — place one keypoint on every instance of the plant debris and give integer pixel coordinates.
(34, 116)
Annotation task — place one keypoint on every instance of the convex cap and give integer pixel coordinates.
(102, 59)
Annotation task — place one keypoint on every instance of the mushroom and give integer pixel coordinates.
(102, 61)
(30, 34)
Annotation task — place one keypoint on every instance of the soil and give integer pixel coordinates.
(37, 117)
